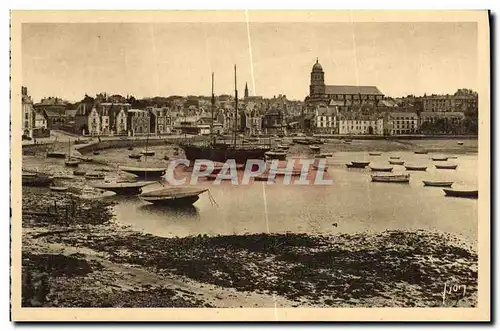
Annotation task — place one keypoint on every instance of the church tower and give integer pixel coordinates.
(317, 87)
(246, 91)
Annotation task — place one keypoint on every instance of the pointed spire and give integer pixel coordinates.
(317, 59)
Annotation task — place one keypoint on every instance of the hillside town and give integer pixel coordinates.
(326, 110)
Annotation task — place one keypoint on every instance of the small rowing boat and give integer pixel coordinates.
(421, 152)
(326, 154)
(39, 180)
(134, 156)
(79, 172)
(402, 178)
(96, 152)
(173, 196)
(360, 164)
(374, 153)
(461, 193)
(439, 158)
(437, 183)
(148, 153)
(446, 166)
(145, 172)
(126, 188)
(94, 176)
(71, 163)
(396, 162)
(56, 155)
(394, 157)
(415, 168)
(460, 143)
(381, 169)
(58, 188)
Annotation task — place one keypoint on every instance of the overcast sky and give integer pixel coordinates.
(69, 60)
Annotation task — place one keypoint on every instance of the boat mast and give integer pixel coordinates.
(236, 106)
(212, 109)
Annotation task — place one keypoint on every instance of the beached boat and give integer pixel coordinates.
(461, 193)
(381, 169)
(96, 152)
(358, 164)
(79, 172)
(438, 183)
(415, 168)
(71, 162)
(56, 155)
(439, 158)
(128, 188)
(301, 141)
(130, 148)
(460, 143)
(33, 179)
(402, 178)
(145, 172)
(446, 166)
(396, 162)
(374, 153)
(94, 176)
(276, 155)
(314, 148)
(58, 188)
(394, 157)
(148, 153)
(317, 167)
(134, 156)
(326, 154)
(173, 196)
(420, 152)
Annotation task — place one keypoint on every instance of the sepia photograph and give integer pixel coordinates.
(250, 165)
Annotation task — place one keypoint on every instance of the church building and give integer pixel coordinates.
(339, 95)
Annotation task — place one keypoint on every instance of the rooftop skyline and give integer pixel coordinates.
(147, 60)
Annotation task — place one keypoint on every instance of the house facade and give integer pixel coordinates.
(404, 123)
(138, 122)
(28, 113)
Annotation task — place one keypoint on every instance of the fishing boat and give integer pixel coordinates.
(381, 169)
(35, 179)
(317, 167)
(394, 157)
(326, 154)
(358, 164)
(125, 188)
(56, 155)
(446, 166)
(148, 153)
(94, 176)
(79, 172)
(415, 168)
(276, 155)
(460, 143)
(58, 188)
(135, 156)
(396, 162)
(420, 152)
(437, 183)
(173, 196)
(374, 153)
(314, 148)
(439, 158)
(461, 193)
(221, 152)
(145, 172)
(401, 178)
(70, 162)
(264, 178)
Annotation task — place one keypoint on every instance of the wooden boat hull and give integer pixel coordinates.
(36, 181)
(179, 202)
(396, 162)
(357, 164)
(94, 177)
(439, 159)
(461, 193)
(437, 184)
(58, 188)
(79, 173)
(96, 153)
(448, 167)
(71, 163)
(148, 153)
(391, 179)
(172, 197)
(395, 157)
(56, 155)
(381, 169)
(134, 156)
(145, 173)
(374, 154)
(420, 152)
(409, 168)
(223, 153)
(123, 190)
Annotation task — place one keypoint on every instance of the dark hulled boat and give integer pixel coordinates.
(39, 180)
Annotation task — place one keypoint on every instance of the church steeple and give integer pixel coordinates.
(246, 90)
(317, 87)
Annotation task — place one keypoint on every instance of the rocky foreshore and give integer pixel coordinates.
(79, 257)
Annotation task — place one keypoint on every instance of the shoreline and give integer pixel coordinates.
(89, 260)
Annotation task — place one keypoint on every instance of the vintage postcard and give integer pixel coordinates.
(250, 165)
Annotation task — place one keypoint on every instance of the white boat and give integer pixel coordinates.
(437, 183)
(415, 168)
(402, 178)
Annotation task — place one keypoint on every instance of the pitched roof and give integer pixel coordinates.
(351, 89)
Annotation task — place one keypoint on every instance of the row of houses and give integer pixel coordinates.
(330, 120)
